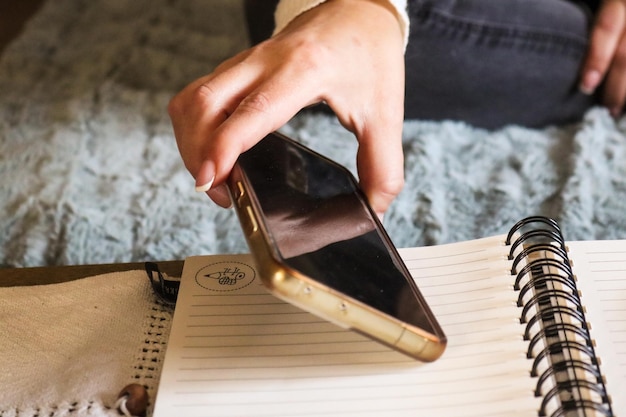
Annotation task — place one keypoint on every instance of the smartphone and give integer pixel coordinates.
(317, 244)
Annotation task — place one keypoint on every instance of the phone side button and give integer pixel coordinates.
(240, 192)
(253, 224)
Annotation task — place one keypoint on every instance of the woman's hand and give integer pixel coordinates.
(606, 56)
(347, 53)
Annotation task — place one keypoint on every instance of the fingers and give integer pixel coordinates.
(219, 117)
(603, 42)
(201, 107)
(606, 57)
(614, 94)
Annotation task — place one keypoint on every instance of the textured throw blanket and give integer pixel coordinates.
(90, 171)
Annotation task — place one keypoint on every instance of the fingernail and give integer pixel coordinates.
(616, 111)
(203, 188)
(205, 177)
(590, 82)
(221, 196)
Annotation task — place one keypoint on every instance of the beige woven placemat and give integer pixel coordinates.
(68, 349)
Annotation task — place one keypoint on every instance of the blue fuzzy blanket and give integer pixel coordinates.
(90, 171)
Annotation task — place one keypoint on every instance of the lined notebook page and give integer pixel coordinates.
(600, 268)
(242, 352)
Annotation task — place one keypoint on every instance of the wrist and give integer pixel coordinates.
(287, 10)
(398, 9)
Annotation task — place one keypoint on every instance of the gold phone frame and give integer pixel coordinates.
(298, 289)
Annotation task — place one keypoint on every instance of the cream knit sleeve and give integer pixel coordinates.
(287, 10)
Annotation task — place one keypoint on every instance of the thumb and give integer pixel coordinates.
(380, 164)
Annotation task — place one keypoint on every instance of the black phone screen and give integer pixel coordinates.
(318, 219)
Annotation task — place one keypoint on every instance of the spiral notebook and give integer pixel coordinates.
(535, 326)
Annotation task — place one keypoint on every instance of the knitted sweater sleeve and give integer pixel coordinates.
(287, 10)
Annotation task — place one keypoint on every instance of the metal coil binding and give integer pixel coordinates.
(563, 267)
(564, 360)
(588, 368)
(559, 253)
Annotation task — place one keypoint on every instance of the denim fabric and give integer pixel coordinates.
(496, 62)
(259, 16)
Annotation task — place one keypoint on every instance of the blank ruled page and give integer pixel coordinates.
(235, 350)
(600, 269)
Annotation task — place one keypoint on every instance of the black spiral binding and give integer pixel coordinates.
(568, 374)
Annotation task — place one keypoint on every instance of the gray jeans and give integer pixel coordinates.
(487, 62)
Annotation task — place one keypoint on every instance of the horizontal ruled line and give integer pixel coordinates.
(457, 283)
(336, 330)
(452, 374)
(452, 377)
(295, 343)
(419, 273)
(275, 303)
(288, 313)
(286, 355)
(393, 359)
(446, 256)
(467, 301)
(299, 400)
(229, 294)
(272, 323)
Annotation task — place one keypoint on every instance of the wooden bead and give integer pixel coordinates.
(136, 399)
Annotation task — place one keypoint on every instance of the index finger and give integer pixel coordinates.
(261, 112)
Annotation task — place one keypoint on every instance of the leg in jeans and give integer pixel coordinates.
(496, 62)
(259, 19)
